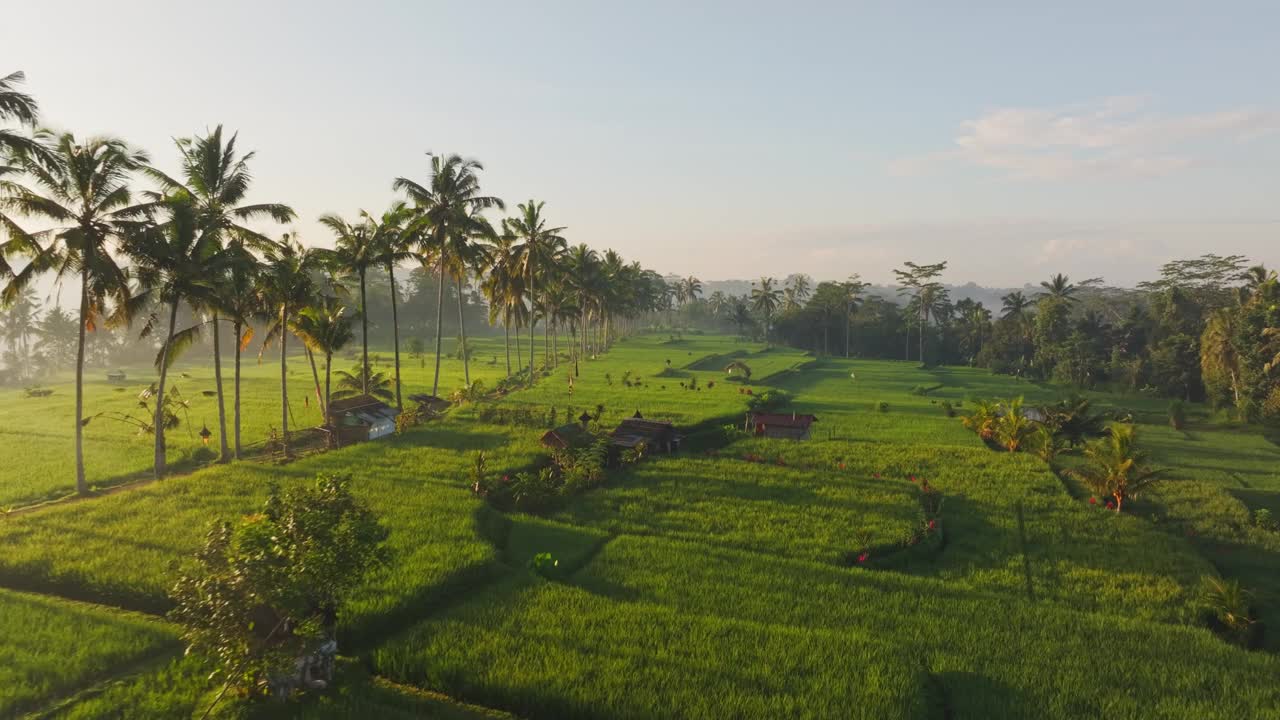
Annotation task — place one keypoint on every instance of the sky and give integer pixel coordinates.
(725, 140)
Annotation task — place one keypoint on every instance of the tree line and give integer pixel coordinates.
(1207, 329)
(148, 248)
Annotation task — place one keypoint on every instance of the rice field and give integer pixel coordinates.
(719, 582)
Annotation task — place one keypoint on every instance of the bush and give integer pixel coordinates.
(880, 406)
(1227, 607)
(769, 400)
(1177, 414)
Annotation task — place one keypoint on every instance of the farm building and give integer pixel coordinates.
(361, 418)
(116, 377)
(780, 425)
(567, 437)
(429, 404)
(656, 436)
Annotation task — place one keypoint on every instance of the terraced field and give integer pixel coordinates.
(725, 581)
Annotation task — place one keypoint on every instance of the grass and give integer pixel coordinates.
(50, 646)
(705, 584)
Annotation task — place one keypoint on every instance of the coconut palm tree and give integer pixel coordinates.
(1060, 287)
(853, 289)
(395, 242)
(469, 256)
(584, 276)
(1218, 354)
(176, 262)
(540, 248)
(801, 287)
(764, 300)
(1016, 305)
(355, 382)
(286, 285)
(218, 180)
(325, 329)
(503, 286)
(18, 106)
(444, 207)
(357, 248)
(1115, 466)
(84, 188)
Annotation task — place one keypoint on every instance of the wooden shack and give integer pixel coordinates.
(116, 377)
(655, 435)
(360, 418)
(785, 426)
(429, 404)
(567, 437)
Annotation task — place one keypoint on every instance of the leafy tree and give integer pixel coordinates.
(325, 329)
(287, 285)
(269, 589)
(920, 284)
(764, 301)
(1013, 427)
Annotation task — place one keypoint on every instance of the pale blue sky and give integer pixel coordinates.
(727, 140)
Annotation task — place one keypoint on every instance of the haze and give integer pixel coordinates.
(723, 140)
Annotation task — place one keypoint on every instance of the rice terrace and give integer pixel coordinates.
(454, 457)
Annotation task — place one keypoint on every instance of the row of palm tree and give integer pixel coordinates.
(189, 242)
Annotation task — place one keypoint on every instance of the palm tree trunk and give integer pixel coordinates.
(519, 352)
(236, 420)
(364, 337)
(924, 323)
(435, 384)
(81, 486)
(284, 380)
(848, 320)
(321, 400)
(164, 375)
(225, 452)
(395, 333)
(533, 323)
(328, 374)
(506, 339)
(462, 332)
(555, 345)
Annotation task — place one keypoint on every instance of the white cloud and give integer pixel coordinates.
(1112, 137)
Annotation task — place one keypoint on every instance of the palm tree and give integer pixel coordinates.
(503, 287)
(1218, 354)
(357, 249)
(692, 288)
(84, 189)
(1059, 287)
(539, 249)
(469, 255)
(395, 242)
(286, 285)
(444, 207)
(19, 106)
(219, 181)
(764, 300)
(853, 289)
(583, 274)
(325, 329)
(1115, 466)
(1016, 305)
(801, 287)
(366, 382)
(175, 262)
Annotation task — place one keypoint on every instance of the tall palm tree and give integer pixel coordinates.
(325, 329)
(442, 208)
(1060, 287)
(395, 242)
(503, 286)
(357, 248)
(1218, 354)
(801, 287)
(853, 289)
(469, 255)
(84, 188)
(176, 262)
(218, 180)
(18, 106)
(540, 248)
(286, 285)
(1016, 305)
(584, 276)
(764, 300)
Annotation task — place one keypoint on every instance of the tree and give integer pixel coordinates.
(1013, 427)
(540, 248)
(801, 286)
(443, 208)
(357, 248)
(218, 180)
(764, 300)
(918, 282)
(17, 106)
(1115, 467)
(1220, 361)
(286, 285)
(395, 242)
(853, 289)
(176, 262)
(504, 287)
(363, 382)
(84, 188)
(266, 591)
(324, 329)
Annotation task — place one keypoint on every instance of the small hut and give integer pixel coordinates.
(360, 418)
(116, 377)
(655, 435)
(783, 426)
(429, 404)
(567, 437)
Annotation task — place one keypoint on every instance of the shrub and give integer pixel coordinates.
(1046, 443)
(1227, 606)
(768, 401)
(1263, 519)
(1177, 414)
(535, 492)
(1116, 468)
(407, 419)
(1013, 426)
(982, 419)
(948, 409)
(544, 564)
(880, 406)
